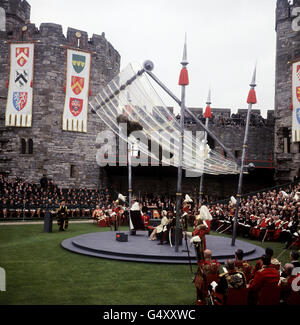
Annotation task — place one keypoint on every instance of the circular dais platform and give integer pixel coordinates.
(140, 249)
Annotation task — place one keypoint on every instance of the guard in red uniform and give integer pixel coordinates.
(278, 228)
(242, 265)
(200, 230)
(186, 207)
(233, 278)
(118, 211)
(266, 276)
(208, 271)
(274, 262)
(145, 218)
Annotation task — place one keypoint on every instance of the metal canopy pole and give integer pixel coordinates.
(148, 67)
(178, 101)
(251, 100)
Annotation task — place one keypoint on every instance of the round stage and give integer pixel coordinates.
(140, 249)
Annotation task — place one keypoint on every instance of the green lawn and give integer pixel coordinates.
(39, 271)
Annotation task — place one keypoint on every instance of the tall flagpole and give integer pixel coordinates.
(250, 100)
(207, 116)
(183, 81)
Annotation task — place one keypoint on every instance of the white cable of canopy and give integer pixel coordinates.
(139, 103)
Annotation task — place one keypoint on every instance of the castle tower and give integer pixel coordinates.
(69, 158)
(287, 153)
(17, 13)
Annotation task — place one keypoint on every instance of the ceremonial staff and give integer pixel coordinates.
(250, 100)
(207, 116)
(183, 81)
(129, 175)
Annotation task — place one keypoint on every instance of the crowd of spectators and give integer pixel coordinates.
(238, 283)
(270, 215)
(21, 199)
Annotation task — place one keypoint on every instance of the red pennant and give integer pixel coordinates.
(31, 83)
(184, 77)
(207, 113)
(251, 97)
(90, 92)
(291, 106)
(64, 88)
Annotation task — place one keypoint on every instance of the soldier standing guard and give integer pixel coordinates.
(118, 210)
(62, 216)
(208, 271)
(201, 228)
(186, 207)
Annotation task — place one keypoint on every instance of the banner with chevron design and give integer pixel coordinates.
(77, 90)
(296, 101)
(20, 93)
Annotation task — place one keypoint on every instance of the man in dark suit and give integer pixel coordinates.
(62, 216)
(44, 182)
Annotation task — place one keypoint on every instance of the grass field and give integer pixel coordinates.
(40, 272)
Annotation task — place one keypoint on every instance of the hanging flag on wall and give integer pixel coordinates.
(19, 99)
(77, 90)
(296, 101)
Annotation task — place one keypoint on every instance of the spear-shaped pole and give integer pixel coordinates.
(250, 100)
(207, 116)
(183, 81)
(129, 175)
(129, 167)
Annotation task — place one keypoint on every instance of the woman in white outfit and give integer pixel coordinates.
(160, 228)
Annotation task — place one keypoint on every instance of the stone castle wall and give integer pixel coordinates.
(230, 128)
(69, 158)
(66, 157)
(287, 154)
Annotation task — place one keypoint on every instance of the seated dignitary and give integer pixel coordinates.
(162, 227)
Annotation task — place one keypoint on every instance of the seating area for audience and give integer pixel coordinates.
(27, 200)
(272, 215)
(268, 216)
(237, 283)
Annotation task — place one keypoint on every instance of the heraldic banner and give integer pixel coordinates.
(77, 91)
(296, 101)
(19, 99)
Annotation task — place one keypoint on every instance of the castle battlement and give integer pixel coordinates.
(227, 117)
(67, 157)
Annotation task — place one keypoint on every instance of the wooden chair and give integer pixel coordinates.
(237, 297)
(269, 295)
